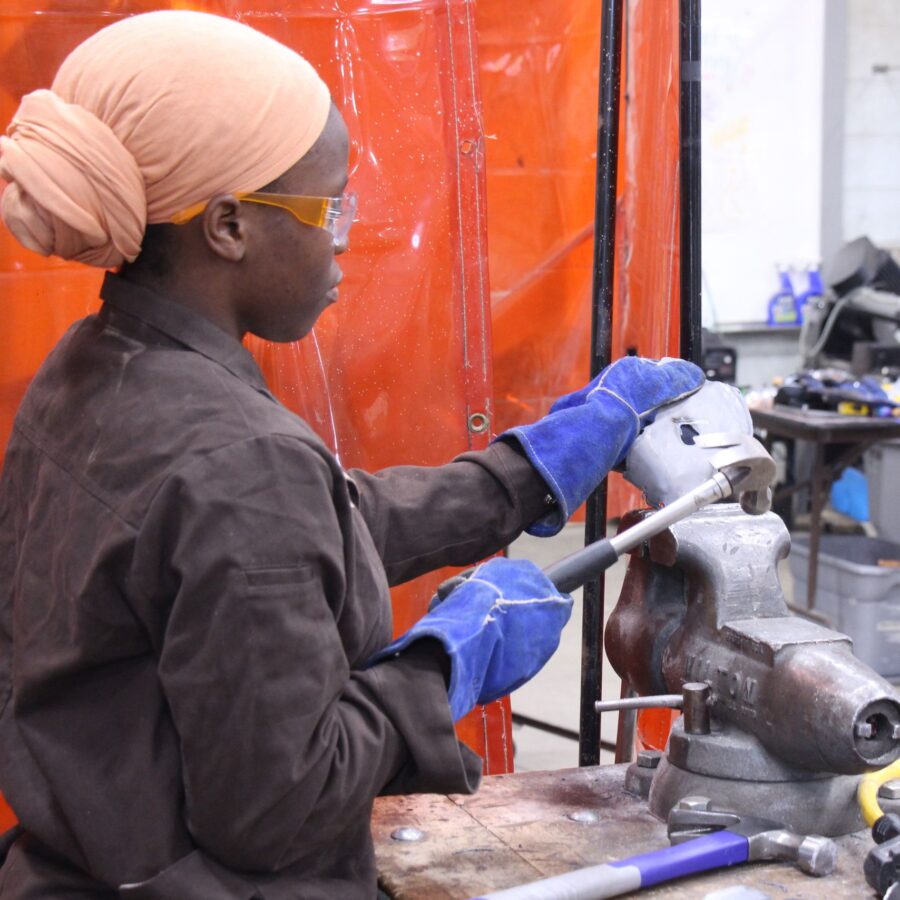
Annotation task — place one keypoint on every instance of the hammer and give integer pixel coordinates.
(702, 839)
(694, 817)
(742, 468)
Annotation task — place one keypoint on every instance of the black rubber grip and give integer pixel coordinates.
(882, 866)
(577, 568)
(886, 827)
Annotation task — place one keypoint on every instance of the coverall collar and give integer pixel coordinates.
(183, 326)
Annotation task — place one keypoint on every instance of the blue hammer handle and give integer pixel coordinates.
(712, 851)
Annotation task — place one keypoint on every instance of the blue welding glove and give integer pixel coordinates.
(588, 432)
(498, 628)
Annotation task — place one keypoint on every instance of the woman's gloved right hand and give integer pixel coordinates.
(498, 629)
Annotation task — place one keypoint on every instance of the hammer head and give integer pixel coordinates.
(693, 817)
(689, 442)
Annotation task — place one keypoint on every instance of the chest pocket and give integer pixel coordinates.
(283, 576)
(287, 622)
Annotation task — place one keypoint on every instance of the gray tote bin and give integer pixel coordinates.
(861, 597)
(882, 463)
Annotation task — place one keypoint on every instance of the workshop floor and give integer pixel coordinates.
(552, 696)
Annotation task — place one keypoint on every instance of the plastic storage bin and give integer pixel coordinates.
(861, 597)
(882, 464)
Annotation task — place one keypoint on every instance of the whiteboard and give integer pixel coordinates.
(762, 65)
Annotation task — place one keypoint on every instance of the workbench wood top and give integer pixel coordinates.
(517, 828)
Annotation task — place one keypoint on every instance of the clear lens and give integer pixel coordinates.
(339, 216)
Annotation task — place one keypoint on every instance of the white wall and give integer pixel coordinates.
(762, 76)
(872, 122)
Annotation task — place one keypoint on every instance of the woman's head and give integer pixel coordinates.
(146, 118)
(174, 112)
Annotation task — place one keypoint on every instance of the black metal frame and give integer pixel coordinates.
(611, 44)
(689, 177)
(611, 37)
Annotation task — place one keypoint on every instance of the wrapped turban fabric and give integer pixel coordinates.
(146, 118)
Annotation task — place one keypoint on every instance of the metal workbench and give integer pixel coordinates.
(520, 827)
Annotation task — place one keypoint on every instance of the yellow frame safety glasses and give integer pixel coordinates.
(333, 214)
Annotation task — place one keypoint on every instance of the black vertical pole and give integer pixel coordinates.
(601, 343)
(689, 127)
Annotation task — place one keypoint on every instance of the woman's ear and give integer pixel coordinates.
(224, 228)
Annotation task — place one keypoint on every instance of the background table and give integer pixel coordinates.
(821, 429)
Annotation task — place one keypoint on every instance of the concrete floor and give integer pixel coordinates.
(552, 696)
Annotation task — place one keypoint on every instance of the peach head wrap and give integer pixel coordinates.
(147, 117)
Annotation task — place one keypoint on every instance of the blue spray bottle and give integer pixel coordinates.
(783, 309)
(814, 288)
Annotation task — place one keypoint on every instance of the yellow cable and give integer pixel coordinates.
(867, 793)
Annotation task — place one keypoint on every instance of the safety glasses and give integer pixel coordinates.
(334, 214)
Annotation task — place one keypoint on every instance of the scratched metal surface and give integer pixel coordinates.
(517, 829)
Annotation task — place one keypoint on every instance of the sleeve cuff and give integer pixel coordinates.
(546, 512)
(438, 763)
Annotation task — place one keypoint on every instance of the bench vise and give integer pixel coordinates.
(794, 716)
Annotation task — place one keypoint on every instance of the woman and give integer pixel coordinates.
(199, 695)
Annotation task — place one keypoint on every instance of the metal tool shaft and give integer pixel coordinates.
(580, 567)
(712, 490)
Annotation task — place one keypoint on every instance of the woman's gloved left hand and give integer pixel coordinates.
(588, 432)
(498, 629)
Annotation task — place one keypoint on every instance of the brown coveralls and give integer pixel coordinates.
(191, 586)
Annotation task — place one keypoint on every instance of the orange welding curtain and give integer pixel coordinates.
(539, 78)
(474, 127)
(399, 371)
